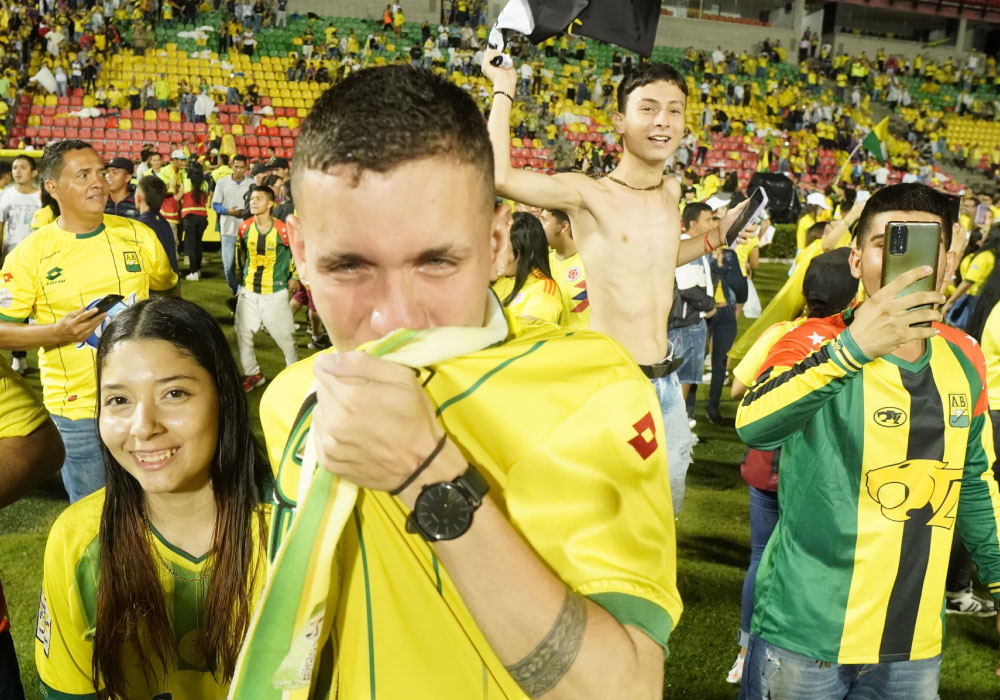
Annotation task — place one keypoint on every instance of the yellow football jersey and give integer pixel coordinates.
(67, 612)
(991, 351)
(22, 414)
(571, 277)
(594, 423)
(539, 298)
(53, 272)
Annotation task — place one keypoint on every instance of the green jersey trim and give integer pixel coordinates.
(176, 550)
(638, 612)
(51, 693)
(81, 236)
(11, 319)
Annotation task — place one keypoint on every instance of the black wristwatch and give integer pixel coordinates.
(443, 511)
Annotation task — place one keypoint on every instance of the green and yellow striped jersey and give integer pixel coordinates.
(875, 456)
(67, 613)
(268, 257)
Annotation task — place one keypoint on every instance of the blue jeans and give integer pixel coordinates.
(763, 518)
(689, 344)
(778, 674)
(680, 439)
(10, 676)
(82, 470)
(229, 261)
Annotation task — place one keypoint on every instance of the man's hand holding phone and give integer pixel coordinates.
(885, 322)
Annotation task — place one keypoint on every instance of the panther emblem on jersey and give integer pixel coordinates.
(890, 417)
(909, 486)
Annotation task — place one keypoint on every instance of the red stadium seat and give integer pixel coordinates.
(273, 131)
(187, 127)
(49, 111)
(85, 133)
(36, 109)
(100, 123)
(31, 132)
(45, 132)
(253, 152)
(288, 142)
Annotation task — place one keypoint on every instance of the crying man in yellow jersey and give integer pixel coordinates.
(533, 551)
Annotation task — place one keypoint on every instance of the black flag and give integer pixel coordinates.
(630, 24)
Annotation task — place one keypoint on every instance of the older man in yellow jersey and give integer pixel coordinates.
(59, 275)
(551, 570)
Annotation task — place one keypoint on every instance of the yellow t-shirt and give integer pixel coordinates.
(22, 414)
(539, 299)
(594, 423)
(571, 277)
(991, 351)
(805, 223)
(743, 251)
(67, 613)
(42, 217)
(979, 270)
(53, 272)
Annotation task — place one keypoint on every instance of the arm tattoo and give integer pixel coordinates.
(546, 664)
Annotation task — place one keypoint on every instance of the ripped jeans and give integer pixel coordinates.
(773, 673)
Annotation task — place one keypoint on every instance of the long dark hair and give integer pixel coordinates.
(527, 238)
(988, 297)
(130, 606)
(199, 189)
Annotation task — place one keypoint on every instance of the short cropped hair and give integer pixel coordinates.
(380, 118)
(691, 213)
(154, 190)
(265, 189)
(54, 156)
(28, 159)
(645, 74)
(911, 196)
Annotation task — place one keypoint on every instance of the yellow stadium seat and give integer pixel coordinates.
(175, 117)
(124, 124)
(237, 129)
(89, 101)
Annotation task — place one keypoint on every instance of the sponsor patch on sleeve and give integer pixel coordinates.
(43, 627)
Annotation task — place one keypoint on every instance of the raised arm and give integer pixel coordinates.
(561, 191)
(837, 229)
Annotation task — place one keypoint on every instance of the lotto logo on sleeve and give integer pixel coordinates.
(43, 627)
(645, 446)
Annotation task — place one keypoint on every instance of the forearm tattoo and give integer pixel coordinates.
(546, 664)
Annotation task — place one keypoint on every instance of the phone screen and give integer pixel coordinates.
(758, 200)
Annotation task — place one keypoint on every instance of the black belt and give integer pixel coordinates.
(662, 368)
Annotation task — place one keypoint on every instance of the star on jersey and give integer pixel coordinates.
(816, 338)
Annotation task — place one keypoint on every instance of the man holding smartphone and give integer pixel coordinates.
(75, 261)
(882, 425)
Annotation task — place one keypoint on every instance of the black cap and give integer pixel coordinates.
(122, 164)
(260, 169)
(279, 163)
(828, 280)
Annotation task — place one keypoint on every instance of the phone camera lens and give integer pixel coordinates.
(897, 240)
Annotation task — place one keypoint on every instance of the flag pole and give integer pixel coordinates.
(848, 161)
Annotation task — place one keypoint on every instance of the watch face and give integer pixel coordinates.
(443, 511)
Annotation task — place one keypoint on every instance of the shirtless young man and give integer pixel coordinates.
(626, 226)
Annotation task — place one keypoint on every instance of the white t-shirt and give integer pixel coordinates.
(16, 210)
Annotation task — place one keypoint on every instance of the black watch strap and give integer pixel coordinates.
(473, 482)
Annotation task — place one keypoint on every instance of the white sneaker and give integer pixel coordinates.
(736, 672)
(193, 276)
(19, 364)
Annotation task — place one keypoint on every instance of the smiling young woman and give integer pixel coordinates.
(149, 584)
